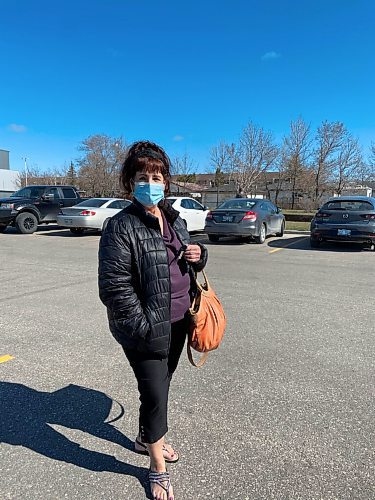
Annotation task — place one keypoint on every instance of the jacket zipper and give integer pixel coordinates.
(170, 291)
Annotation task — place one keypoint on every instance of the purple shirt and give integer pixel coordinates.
(180, 279)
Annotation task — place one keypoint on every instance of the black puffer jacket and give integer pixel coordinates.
(134, 280)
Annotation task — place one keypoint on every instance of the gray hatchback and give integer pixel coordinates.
(345, 218)
(250, 218)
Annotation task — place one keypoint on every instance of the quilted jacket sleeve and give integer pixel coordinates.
(198, 266)
(116, 286)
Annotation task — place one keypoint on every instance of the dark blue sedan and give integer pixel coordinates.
(345, 218)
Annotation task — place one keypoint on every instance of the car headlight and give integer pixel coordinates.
(7, 205)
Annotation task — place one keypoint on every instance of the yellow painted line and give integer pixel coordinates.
(288, 245)
(7, 357)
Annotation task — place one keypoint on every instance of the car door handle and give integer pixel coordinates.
(61, 204)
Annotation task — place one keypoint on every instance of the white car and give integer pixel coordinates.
(191, 211)
(90, 214)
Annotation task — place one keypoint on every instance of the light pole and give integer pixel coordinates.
(24, 158)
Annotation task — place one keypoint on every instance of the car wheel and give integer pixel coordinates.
(213, 237)
(262, 234)
(281, 233)
(26, 223)
(105, 223)
(77, 231)
(3, 228)
(314, 243)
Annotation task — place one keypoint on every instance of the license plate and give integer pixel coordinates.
(227, 218)
(344, 232)
(68, 221)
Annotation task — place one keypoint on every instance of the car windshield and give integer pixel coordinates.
(92, 202)
(237, 204)
(350, 205)
(29, 192)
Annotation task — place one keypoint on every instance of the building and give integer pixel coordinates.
(8, 178)
(205, 190)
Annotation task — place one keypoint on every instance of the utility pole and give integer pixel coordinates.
(24, 158)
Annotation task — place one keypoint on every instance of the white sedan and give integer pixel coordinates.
(90, 214)
(191, 211)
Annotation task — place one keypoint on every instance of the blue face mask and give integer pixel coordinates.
(148, 194)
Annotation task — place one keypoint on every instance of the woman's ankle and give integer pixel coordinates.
(158, 467)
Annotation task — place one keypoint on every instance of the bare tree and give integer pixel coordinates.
(297, 151)
(368, 172)
(183, 166)
(35, 176)
(32, 174)
(251, 157)
(99, 167)
(279, 177)
(219, 158)
(348, 162)
(329, 139)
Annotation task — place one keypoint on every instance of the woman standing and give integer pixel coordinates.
(145, 280)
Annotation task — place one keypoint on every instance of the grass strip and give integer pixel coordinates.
(298, 226)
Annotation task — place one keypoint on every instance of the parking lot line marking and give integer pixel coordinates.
(288, 245)
(7, 357)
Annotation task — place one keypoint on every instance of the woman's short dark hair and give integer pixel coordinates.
(144, 156)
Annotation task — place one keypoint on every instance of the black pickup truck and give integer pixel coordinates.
(33, 205)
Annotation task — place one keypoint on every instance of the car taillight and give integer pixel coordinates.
(368, 216)
(209, 216)
(322, 215)
(250, 216)
(87, 212)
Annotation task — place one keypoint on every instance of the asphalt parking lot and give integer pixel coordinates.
(284, 410)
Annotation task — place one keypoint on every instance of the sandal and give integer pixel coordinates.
(144, 451)
(162, 479)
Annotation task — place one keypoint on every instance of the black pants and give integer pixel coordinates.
(153, 375)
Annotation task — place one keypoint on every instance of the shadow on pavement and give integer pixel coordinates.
(41, 229)
(52, 230)
(26, 414)
(224, 240)
(63, 232)
(303, 243)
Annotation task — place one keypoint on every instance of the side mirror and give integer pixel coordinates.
(48, 197)
(279, 210)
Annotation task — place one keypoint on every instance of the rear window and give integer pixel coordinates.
(348, 205)
(237, 204)
(92, 202)
(69, 193)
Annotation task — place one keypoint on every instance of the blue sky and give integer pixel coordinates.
(185, 74)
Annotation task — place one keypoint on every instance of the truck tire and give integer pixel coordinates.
(26, 223)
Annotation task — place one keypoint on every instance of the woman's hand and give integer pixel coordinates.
(192, 253)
